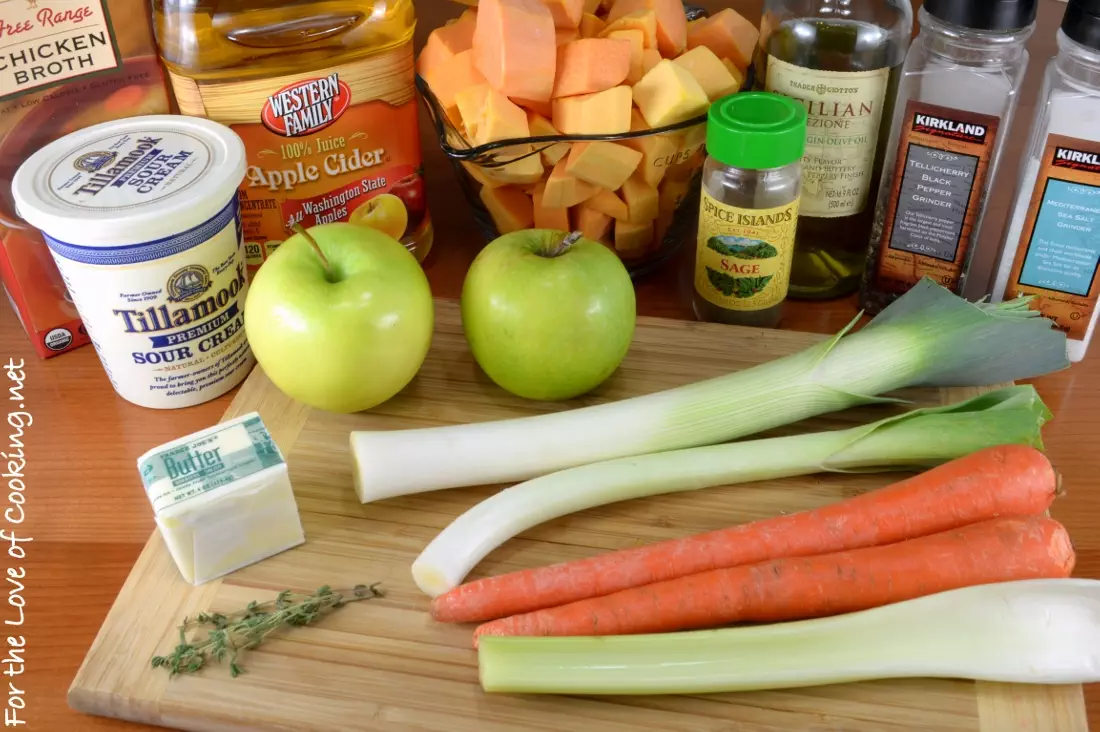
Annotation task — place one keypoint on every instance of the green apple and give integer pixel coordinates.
(548, 316)
(340, 317)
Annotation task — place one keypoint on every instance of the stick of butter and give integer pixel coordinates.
(222, 498)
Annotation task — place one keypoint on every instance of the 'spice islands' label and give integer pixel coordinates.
(743, 256)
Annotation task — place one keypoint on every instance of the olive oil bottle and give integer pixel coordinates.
(842, 60)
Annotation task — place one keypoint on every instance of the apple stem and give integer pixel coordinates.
(567, 242)
(301, 231)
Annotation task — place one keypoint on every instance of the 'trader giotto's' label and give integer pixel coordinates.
(743, 256)
(845, 111)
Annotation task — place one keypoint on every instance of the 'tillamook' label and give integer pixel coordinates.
(125, 171)
(743, 256)
(935, 196)
(845, 111)
(1058, 255)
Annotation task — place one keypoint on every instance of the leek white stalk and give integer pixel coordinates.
(927, 337)
(920, 438)
(1032, 631)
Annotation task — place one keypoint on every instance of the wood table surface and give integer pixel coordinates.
(88, 515)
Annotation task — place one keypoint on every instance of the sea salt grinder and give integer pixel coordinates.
(1051, 250)
(956, 99)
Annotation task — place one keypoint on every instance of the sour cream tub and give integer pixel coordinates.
(141, 216)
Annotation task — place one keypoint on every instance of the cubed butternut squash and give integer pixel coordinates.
(445, 42)
(591, 223)
(514, 47)
(511, 208)
(546, 217)
(482, 175)
(602, 113)
(736, 73)
(541, 127)
(470, 103)
(591, 26)
(609, 204)
(500, 119)
(565, 35)
(545, 108)
(632, 239)
(657, 152)
(637, 50)
(671, 22)
(709, 71)
(669, 94)
(590, 65)
(603, 164)
(643, 20)
(641, 200)
(566, 13)
(563, 190)
(729, 34)
(447, 81)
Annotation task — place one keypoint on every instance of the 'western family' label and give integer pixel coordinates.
(743, 256)
(935, 196)
(1058, 255)
(305, 107)
(322, 146)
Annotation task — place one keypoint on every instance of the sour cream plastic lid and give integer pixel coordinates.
(130, 181)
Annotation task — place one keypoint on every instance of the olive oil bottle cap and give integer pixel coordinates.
(756, 130)
(1081, 23)
(987, 15)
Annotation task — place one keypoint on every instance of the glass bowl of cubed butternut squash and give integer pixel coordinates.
(589, 116)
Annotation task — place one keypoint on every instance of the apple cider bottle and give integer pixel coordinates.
(322, 92)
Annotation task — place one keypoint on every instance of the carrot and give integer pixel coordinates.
(1010, 480)
(999, 550)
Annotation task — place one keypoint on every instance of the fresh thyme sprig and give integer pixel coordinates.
(230, 635)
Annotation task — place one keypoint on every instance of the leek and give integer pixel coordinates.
(920, 438)
(927, 337)
(1031, 631)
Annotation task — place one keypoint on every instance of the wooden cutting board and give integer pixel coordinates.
(385, 664)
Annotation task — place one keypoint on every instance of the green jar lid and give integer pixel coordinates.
(756, 130)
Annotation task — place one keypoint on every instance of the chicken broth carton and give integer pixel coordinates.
(64, 65)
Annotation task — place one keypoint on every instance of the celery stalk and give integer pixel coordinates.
(1031, 631)
(920, 438)
(928, 337)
